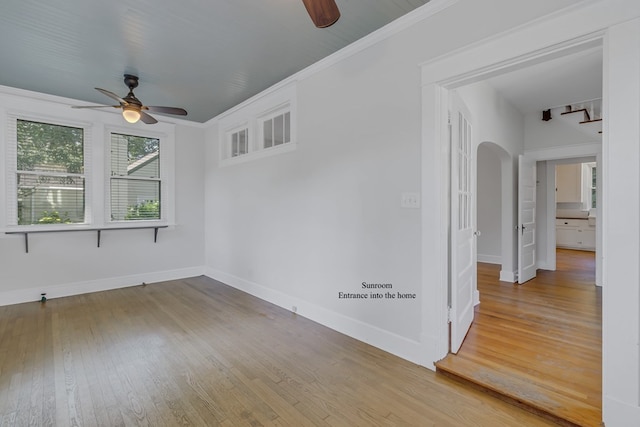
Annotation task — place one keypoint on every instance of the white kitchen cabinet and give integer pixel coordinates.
(569, 183)
(575, 234)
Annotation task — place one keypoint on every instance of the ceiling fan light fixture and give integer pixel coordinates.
(131, 114)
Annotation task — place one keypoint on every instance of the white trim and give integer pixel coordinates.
(259, 154)
(565, 152)
(577, 153)
(165, 133)
(377, 337)
(19, 296)
(508, 276)
(421, 13)
(489, 259)
(251, 116)
(114, 114)
(617, 413)
(534, 43)
(10, 167)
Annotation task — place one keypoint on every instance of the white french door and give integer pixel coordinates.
(463, 242)
(526, 219)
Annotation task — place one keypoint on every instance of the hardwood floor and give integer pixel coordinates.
(196, 352)
(538, 344)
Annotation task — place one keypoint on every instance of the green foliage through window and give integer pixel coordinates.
(149, 209)
(54, 218)
(49, 173)
(135, 178)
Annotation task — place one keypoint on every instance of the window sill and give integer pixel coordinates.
(259, 154)
(98, 231)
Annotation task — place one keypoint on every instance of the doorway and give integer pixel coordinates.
(504, 243)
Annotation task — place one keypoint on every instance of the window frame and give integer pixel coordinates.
(166, 179)
(252, 114)
(96, 126)
(229, 140)
(592, 176)
(271, 115)
(9, 218)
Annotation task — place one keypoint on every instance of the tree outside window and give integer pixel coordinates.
(49, 173)
(135, 178)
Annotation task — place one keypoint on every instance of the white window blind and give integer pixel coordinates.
(276, 130)
(240, 142)
(46, 173)
(135, 183)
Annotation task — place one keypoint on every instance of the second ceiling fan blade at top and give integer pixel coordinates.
(112, 95)
(323, 13)
(166, 110)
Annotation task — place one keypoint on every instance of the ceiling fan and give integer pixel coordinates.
(323, 13)
(132, 109)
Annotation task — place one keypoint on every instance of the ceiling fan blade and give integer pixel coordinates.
(323, 13)
(146, 118)
(167, 110)
(96, 106)
(112, 96)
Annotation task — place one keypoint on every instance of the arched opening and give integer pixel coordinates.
(495, 182)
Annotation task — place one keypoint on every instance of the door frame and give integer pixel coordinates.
(573, 154)
(437, 80)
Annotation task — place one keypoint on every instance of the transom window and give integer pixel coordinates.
(276, 130)
(135, 184)
(239, 142)
(49, 174)
(262, 127)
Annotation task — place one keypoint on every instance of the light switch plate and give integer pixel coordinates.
(410, 200)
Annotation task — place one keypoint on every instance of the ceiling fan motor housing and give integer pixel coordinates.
(131, 81)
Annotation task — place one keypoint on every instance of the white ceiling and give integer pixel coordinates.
(567, 80)
(203, 55)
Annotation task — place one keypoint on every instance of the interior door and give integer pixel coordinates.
(526, 219)
(463, 242)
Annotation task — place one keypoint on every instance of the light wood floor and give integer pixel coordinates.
(195, 352)
(539, 343)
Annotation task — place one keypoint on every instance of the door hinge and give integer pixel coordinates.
(449, 314)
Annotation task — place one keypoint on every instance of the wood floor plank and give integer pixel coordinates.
(538, 344)
(196, 352)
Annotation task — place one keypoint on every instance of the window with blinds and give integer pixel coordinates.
(276, 130)
(263, 127)
(49, 174)
(135, 181)
(239, 142)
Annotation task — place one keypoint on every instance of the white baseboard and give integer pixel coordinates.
(543, 265)
(385, 340)
(508, 276)
(489, 259)
(617, 413)
(32, 294)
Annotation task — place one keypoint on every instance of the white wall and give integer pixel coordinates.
(543, 221)
(489, 197)
(298, 228)
(63, 264)
(557, 132)
(621, 222)
(500, 126)
(617, 23)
